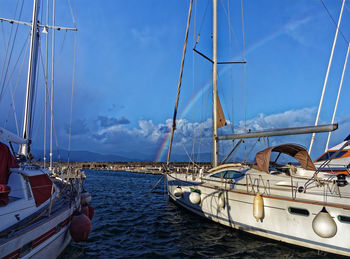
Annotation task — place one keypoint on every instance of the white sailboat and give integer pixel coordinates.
(300, 205)
(37, 206)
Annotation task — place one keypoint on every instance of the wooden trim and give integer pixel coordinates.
(13, 255)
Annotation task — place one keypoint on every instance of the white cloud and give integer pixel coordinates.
(147, 137)
(291, 118)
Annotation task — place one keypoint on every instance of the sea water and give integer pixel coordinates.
(132, 222)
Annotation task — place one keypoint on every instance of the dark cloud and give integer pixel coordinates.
(107, 121)
(79, 127)
(98, 137)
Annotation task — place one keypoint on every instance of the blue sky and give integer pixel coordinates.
(128, 63)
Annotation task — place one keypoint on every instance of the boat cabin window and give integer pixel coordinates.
(327, 155)
(298, 211)
(230, 174)
(344, 219)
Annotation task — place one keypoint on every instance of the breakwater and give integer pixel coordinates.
(136, 167)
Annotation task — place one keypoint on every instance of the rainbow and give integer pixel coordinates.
(287, 27)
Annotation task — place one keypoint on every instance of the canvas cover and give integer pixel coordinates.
(41, 188)
(7, 161)
(262, 158)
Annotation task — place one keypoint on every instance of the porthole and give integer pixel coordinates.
(344, 219)
(298, 211)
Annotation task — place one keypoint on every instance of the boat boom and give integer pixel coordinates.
(281, 132)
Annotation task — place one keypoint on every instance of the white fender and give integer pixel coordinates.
(324, 225)
(178, 192)
(195, 197)
(258, 207)
(221, 200)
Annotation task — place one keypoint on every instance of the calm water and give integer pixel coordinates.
(132, 222)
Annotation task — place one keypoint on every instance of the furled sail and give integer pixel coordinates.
(221, 121)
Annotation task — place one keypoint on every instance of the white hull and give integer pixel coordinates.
(278, 222)
(53, 247)
(44, 240)
(30, 231)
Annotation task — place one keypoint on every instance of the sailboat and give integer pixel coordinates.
(40, 210)
(296, 203)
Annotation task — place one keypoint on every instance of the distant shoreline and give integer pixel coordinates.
(136, 167)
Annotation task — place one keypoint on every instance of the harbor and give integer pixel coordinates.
(174, 129)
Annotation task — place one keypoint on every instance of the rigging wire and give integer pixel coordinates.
(46, 90)
(334, 22)
(180, 80)
(8, 44)
(13, 91)
(73, 80)
(72, 14)
(52, 80)
(338, 96)
(72, 97)
(231, 28)
(201, 25)
(3, 76)
(193, 78)
(327, 74)
(231, 116)
(43, 112)
(245, 68)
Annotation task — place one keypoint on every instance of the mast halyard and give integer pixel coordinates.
(215, 90)
(30, 90)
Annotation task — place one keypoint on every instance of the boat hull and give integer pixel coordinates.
(278, 223)
(46, 239)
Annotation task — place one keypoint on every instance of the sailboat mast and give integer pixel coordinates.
(326, 79)
(33, 56)
(215, 89)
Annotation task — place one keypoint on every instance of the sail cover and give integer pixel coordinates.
(221, 121)
(262, 158)
(41, 188)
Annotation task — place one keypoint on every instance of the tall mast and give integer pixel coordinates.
(52, 83)
(215, 87)
(326, 79)
(33, 56)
